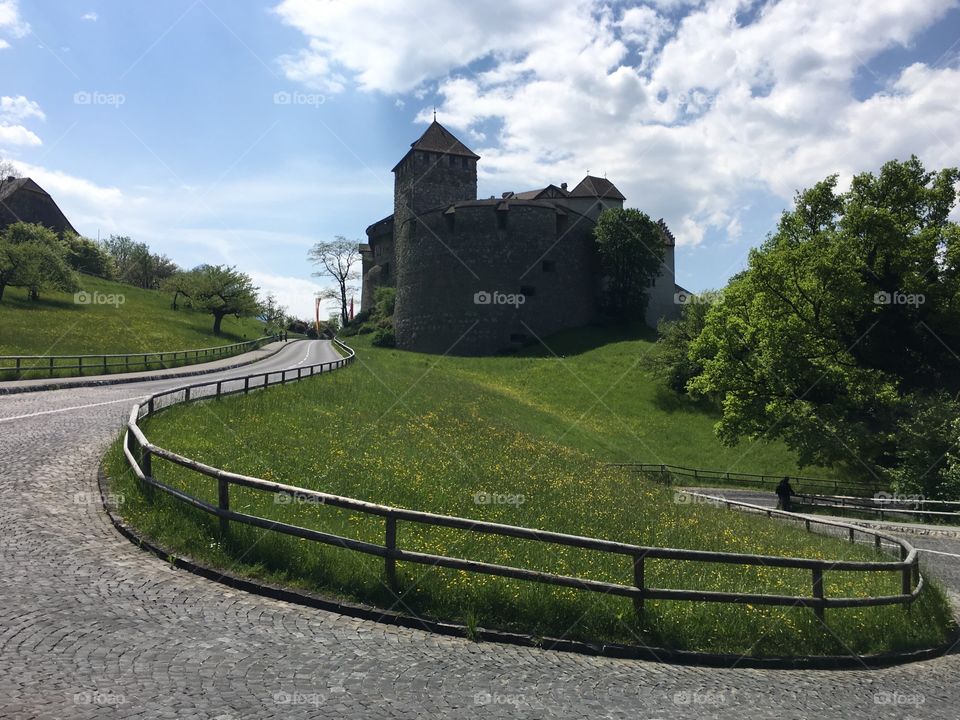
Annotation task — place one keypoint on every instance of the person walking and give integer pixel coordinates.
(784, 493)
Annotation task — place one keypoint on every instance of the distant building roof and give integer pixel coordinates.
(22, 200)
(438, 139)
(550, 191)
(596, 187)
(9, 185)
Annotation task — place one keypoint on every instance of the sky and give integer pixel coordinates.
(241, 133)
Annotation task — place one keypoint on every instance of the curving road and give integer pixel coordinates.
(92, 627)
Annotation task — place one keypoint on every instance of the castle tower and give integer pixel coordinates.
(438, 170)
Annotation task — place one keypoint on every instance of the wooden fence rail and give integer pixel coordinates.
(699, 475)
(140, 454)
(16, 365)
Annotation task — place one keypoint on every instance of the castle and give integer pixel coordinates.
(476, 277)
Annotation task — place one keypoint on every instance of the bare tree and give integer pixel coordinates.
(336, 260)
(7, 170)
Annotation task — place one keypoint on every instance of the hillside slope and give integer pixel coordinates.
(142, 322)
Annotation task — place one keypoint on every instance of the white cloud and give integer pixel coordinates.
(66, 188)
(89, 17)
(688, 108)
(296, 294)
(4, 44)
(17, 135)
(16, 109)
(11, 24)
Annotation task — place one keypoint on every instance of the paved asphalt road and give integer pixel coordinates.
(92, 627)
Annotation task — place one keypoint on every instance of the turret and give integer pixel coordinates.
(438, 170)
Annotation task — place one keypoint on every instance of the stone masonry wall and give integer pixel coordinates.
(502, 250)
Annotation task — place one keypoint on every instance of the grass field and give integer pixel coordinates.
(521, 440)
(143, 322)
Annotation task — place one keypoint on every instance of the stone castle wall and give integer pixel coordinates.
(506, 250)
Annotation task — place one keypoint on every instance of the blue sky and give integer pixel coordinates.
(167, 122)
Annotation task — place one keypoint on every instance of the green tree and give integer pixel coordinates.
(273, 314)
(33, 257)
(221, 291)
(87, 256)
(631, 250)
(673, 362)
(841, 336)
(179, 284)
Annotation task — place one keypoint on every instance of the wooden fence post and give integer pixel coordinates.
(223, 501)
(390, 564)
(146, 462)
(638, 572)
(818, 591)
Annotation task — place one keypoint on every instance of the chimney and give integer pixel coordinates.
(563, 186)
(10, 178)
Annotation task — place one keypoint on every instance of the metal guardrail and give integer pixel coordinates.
(140, 454)
(765, 481)
(20, 364)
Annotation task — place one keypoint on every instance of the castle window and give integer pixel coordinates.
(549, 266)
(453, 161)
(501, 219)
(385, 272)
(466, 163)
(561, 224)
(451, 220)
(528, 290)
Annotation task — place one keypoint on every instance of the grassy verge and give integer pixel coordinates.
(142, 322)
(520, 440)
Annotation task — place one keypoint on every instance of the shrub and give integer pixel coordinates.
(384, 338)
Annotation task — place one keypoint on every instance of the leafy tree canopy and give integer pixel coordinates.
(843, 335)
(631, 250)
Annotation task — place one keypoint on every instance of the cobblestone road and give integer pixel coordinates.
(92, 627)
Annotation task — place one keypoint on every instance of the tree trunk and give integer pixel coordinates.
(217, 319)
(343, 305)
(3, 286)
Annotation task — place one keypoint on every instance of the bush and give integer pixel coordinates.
(384, 338)
(88, 257)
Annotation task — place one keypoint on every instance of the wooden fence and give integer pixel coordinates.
(885, 508)
(141, 455)
(18, 365)
(766, 482)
